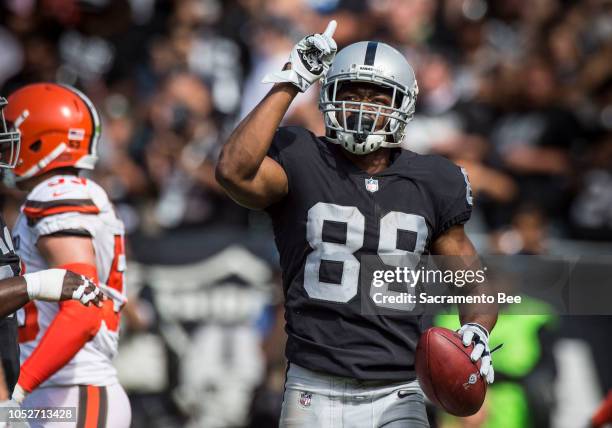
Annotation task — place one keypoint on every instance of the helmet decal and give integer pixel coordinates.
(370, 54)
(76, 134)
(21, 118)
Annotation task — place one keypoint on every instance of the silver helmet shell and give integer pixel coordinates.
(374, 63)
(10, 140)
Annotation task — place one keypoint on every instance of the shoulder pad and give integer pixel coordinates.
(444, 172)
(293, 142)
(59, 195)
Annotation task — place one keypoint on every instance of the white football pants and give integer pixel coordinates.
(317, 400)
(96, 406)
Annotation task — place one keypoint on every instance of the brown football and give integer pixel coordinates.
(446, 373)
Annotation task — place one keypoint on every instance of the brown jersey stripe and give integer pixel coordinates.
(60, 202)
(103, 412)
(37, 209)
(82, 411)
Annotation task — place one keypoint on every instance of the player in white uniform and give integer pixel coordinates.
(67, 221)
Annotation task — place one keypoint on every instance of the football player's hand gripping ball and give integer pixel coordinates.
(477, 334)
(309, 60)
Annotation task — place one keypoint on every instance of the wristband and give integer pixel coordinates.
(45, 284)
(480, 327)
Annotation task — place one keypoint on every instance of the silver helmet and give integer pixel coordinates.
(374, 63)
(9, 141)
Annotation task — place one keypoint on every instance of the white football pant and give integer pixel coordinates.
(317, 400)
(96, 406)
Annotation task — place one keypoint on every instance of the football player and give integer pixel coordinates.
(16, 291)
(67, 222)
(333, 202)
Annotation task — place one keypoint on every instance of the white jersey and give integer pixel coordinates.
(74, 205)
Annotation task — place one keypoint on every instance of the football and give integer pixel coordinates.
(446, 373)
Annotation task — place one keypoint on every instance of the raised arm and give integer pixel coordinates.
(247, 174)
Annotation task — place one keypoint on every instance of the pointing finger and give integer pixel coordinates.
(331, 28)
(321, 44)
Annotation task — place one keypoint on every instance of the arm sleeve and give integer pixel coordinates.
(280, 143)
(74, 325)
(280, 152)
(454, 197)
(67, 223)
(63, 205)
(10, 264)
(293, 148)
(603, 414)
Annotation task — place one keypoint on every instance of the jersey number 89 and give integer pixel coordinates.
(343, 253)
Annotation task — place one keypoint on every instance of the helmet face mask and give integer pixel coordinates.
(10, 140)
(367, 116)
(357, 64)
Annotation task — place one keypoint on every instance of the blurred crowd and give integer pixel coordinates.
(519, 92)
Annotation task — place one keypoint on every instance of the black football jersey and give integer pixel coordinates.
(335, 216)
(9, 347)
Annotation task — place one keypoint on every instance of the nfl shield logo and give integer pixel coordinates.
(471, 381)
(371, 185)
(305, 398)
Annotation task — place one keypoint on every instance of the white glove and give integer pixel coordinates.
(310, 59)
(474, 332)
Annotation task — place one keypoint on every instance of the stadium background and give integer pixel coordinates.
(519, 92)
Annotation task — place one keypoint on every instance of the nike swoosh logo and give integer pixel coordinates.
(402, 393)
(57, 194)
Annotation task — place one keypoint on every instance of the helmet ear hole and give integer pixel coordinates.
(36, 146)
